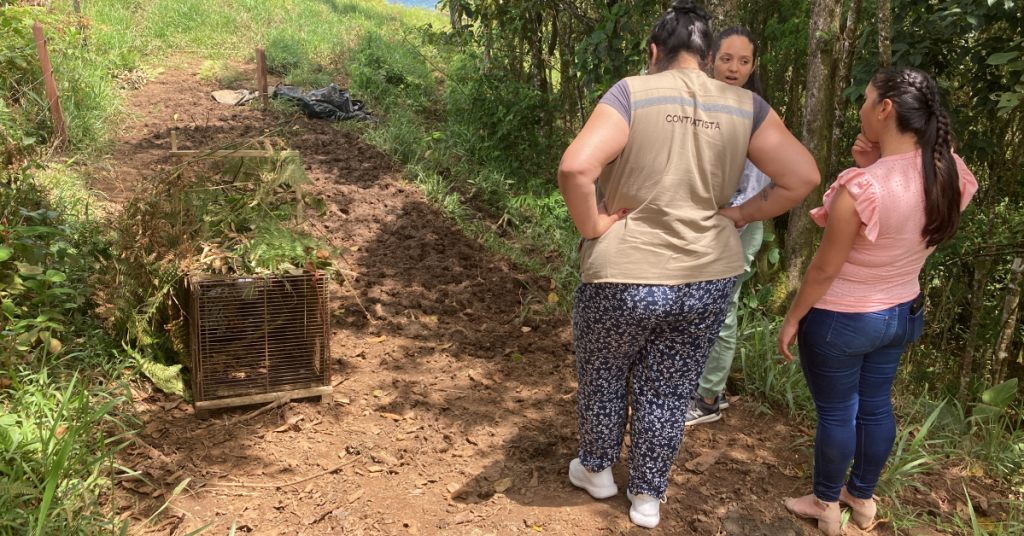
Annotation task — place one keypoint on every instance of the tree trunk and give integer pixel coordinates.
(819, 100)
(455, 13)
(538, 69)
(723, 14)
(843, 81)
(977, 303)
(884, 29)
(794, 90)
(982, 267)
(566, 75)
(1009, 321)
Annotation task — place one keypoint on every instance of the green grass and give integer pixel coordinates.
(58, 433)
(91, 104)
(297, 34)
(760, 371)
(63, 405)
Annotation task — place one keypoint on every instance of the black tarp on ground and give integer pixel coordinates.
(331, 103)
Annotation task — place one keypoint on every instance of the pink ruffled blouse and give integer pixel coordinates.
(888, 254)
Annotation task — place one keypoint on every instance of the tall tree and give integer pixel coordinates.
(847, 46)
(723, 14)
(818, 117)
(1009, 322)
(884, 29)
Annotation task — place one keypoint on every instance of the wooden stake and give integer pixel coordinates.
(261, 75)
(60, 133)
(174, 141)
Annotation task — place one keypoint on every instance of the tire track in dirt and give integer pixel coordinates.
(460, 421)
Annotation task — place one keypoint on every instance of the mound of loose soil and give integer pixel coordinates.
(449, 415)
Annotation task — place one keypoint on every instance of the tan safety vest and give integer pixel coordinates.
(683, 160)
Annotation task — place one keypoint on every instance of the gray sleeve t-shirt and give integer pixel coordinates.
(618, 98)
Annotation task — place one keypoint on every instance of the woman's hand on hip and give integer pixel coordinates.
(733, 213)
(605, 221)
(865, 152)
(787, 337)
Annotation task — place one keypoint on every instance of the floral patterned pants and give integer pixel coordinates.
(642, 346)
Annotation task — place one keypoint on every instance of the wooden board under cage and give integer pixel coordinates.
(259, 337)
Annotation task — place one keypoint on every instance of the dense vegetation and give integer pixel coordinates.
(478, 100)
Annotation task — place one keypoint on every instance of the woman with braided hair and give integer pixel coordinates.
(860, 303)
(659, 263)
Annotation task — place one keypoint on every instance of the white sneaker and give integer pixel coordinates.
(644, 511)
(598, 485)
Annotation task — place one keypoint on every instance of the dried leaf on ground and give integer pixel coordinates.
(464, 517)
(171, 404)
(391, 416)
(503, 484)
(385, 458)
(353, 497)
(376, 339)
(291, 425)
(704, 461)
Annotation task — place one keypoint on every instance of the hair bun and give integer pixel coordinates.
(684, 7)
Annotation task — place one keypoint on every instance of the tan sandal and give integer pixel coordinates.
(864, 510)
(830, 519)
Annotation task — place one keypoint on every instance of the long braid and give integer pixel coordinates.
(915, 98)
(943, 139)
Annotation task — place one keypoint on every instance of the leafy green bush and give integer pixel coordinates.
(21, 108)
(59, 426)
(45, 270)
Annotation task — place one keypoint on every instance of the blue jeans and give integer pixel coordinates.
(850, 362)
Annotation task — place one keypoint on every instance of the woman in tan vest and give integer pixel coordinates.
(660, 259)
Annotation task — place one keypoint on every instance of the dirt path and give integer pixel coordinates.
(458, 401)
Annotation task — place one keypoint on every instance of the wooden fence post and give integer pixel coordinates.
(60, 133)
(261, 75)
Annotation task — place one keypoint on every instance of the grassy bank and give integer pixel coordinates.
(64, 396)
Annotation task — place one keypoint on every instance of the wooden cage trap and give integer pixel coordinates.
(257, 339)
